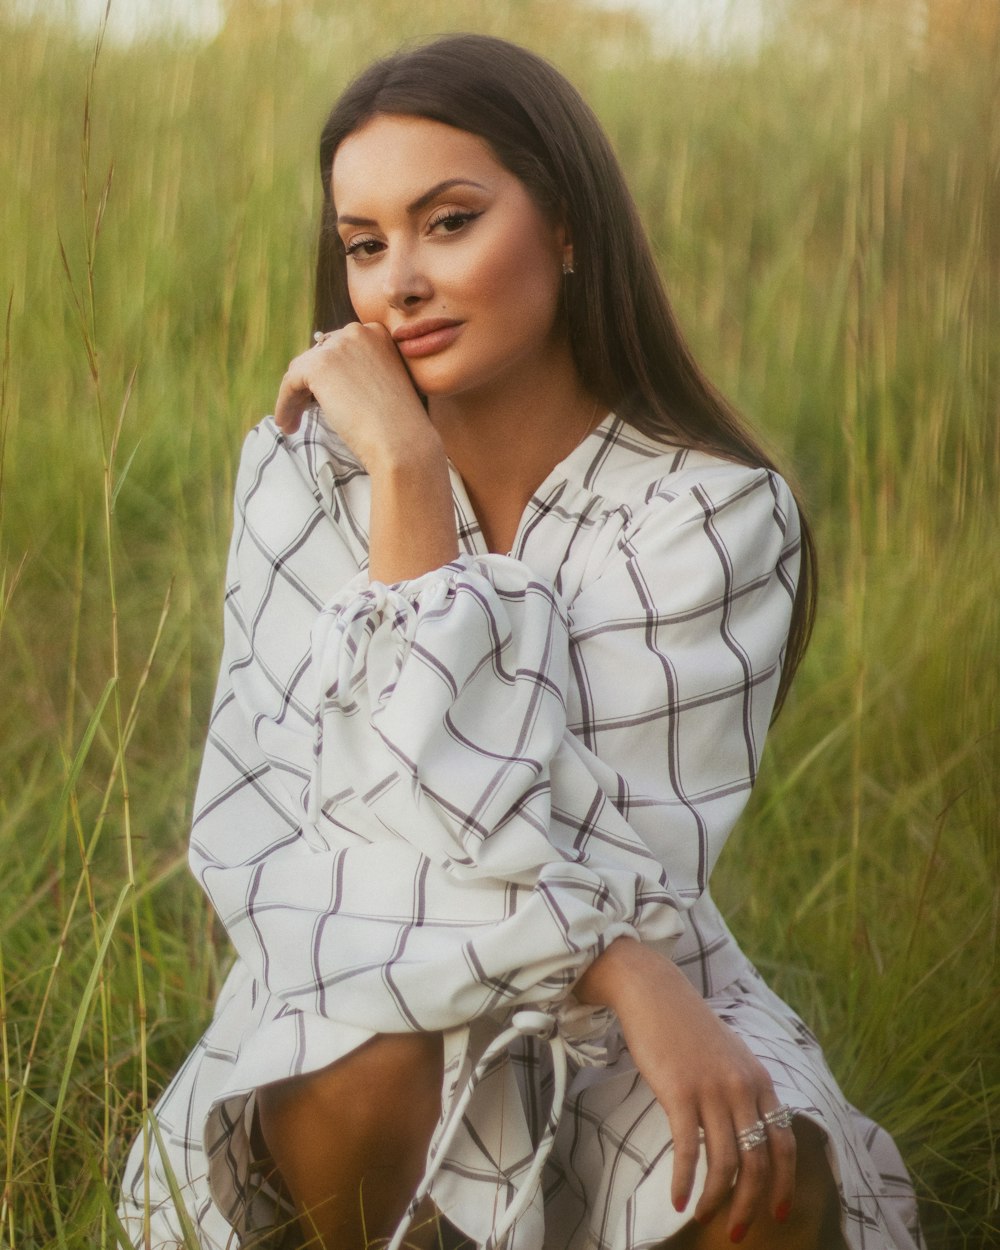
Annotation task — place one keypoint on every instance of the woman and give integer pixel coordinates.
(512, 597)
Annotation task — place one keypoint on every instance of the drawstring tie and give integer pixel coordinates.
(523, 1024)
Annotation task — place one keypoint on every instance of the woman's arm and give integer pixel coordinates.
(703, 1076)
(359, 380)
(377, 913)
(699, 595)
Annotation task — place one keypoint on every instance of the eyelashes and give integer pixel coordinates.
(447, 221)
(357, 248)
(453, 218)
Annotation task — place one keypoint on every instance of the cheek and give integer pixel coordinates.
(520, 278)
(361, 294)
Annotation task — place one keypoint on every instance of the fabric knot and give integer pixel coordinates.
(534, 1024)
(590, 1033)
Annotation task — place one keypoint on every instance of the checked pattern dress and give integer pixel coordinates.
(430, 805)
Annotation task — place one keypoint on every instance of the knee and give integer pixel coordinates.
(394, 1073)
(385, 1087)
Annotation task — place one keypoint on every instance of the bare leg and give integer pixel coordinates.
(350, 1141)
(814, 1221)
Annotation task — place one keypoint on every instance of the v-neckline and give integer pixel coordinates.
(470, 529)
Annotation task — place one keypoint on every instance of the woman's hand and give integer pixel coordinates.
(703, 1076)
(358, 378)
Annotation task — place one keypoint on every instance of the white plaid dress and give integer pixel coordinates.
(428, 806)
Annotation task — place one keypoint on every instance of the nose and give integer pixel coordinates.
(405, 283)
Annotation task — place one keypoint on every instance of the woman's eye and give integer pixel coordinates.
(451, 220)
(363, 247)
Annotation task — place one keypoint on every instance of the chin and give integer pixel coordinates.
(436, 377)
(437, 382)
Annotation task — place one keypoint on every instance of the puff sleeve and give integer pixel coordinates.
(442, 798)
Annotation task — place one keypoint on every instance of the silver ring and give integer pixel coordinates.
(780, 1117)
(320, 336)
(752, 1137)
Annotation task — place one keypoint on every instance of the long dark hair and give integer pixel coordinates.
(626, 343)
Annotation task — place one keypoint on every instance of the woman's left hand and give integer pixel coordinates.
(704, 1077)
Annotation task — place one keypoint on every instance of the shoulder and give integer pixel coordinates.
(647, 479)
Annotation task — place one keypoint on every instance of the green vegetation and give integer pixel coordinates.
(826, 214)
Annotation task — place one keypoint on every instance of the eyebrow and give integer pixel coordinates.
(416, 205)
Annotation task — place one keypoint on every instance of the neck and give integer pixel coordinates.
(505, 441)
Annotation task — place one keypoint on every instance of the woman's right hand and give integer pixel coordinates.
(358, 378)
(704, 1077)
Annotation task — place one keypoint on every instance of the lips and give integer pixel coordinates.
(424, 338)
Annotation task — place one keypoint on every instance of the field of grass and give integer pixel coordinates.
(826, 213)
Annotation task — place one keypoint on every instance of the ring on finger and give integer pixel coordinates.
(320, 336)
(750, 1138)
(780, 1117)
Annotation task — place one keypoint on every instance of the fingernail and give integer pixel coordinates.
(738, 1233)
(680, 1204)
(783, 1212)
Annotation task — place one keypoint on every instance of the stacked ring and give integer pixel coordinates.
(752, 1137)
(756, 1135)
(780, 1117)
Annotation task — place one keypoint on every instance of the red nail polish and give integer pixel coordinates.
(738, 1233)
(783, 1212)
(680, 1204)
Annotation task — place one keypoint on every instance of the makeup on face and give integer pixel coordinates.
(446, 248)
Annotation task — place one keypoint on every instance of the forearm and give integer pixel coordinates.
(629, 976)
(412, 514)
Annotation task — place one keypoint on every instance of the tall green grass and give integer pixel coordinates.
(826, 214)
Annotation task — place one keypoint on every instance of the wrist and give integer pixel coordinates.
(413, 454)
(620, 972)
(413, 526)
(639, 984)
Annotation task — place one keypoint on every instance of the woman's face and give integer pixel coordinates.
(447, 249)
